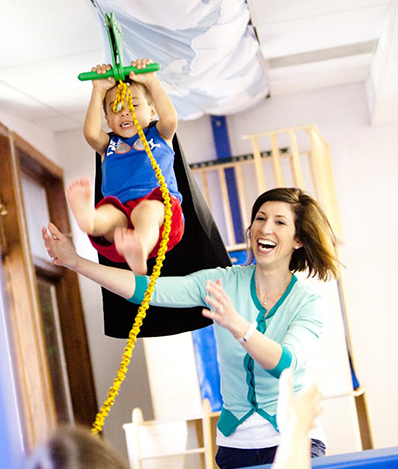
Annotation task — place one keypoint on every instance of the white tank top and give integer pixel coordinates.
(256, 432)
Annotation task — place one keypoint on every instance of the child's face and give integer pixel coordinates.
(121, 123)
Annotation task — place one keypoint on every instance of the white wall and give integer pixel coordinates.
(365, 169)
(42, 139)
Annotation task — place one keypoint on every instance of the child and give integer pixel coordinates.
(74, 448)
(132, 197)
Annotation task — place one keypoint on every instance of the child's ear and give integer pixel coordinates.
(153, 113)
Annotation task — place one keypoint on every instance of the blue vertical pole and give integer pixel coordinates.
(204, 339)
(223, 150)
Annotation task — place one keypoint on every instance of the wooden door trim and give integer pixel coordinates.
(37, 401)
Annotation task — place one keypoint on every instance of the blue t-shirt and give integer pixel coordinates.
(127, 170)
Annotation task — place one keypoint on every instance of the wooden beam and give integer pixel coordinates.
(258, 165)
(296, 164)
(324, 176)
(203, 173)
(276, 162)
(244, 208)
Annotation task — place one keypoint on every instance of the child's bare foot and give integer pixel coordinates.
(129, 245)
(79, 195)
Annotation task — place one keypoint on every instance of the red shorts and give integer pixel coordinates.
(108, 250)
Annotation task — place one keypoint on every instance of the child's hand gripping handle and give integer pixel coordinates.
(111, 73)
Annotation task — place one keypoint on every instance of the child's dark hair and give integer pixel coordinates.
(74, 448)
(140, 86)
(313, 230)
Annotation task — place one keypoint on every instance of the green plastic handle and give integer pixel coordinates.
(111, 73)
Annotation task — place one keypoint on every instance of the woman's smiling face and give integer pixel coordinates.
(272, 234)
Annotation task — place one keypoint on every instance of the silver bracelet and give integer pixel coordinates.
(249, 333)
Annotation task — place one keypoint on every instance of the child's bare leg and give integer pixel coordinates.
(107, 219)
(135, 245)
(95, 222)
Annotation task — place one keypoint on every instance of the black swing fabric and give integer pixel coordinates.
(200, 248)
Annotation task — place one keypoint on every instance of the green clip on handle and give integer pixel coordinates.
(118, 72)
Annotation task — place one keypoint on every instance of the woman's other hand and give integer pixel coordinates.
(223, 312)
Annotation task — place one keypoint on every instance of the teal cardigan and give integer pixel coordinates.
(295, 322)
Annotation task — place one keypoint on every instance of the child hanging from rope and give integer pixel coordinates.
(133, 203)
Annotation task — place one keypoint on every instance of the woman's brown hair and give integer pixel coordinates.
(313, 229)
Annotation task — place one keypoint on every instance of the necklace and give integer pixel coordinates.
(270, 297)
(277, 294)
(264, 303)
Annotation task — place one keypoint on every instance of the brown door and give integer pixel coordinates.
(46, 322)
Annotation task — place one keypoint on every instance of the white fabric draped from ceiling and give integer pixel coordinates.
(209, 55)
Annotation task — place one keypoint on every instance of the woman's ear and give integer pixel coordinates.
(298, 244)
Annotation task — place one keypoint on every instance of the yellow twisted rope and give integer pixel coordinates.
(123, 94)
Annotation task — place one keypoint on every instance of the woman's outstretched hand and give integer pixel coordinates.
(59, 247)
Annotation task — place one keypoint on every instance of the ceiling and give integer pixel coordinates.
(217, 56)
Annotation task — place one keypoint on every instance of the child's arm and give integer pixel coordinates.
(168, 119)
(63, 253)
(296, 417)
(95, 136)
